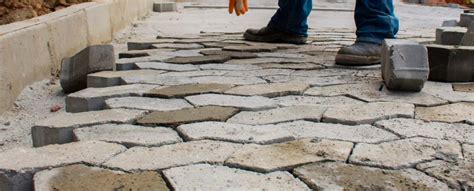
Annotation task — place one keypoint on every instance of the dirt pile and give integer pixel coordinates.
(18, 10)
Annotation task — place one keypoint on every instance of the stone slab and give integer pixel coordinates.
(128, 135)
(59, 129)
(232, 54)
(209, 113)
(256, 48)
(368, 113)
(143, 44)
(457, 176)
(157, 80)
(81, 177)
(229, 67)
(269, 90)
(244, 80)
(468, 39)
(336, 101)
(468, 152)
(212, 177)
(279, 115)
(114, 78)
(450, 35)
(316, 81)
(405, 153)
(467, 87)
(238, 133)
(466, 19)
(17, 167)
(288, 155)
(295, 66)
(177, 46)
(187, 90)
(446, 91)
(195, 73)
(259, 61)
(451, 63)
(340, 176)
(452, 113)
(261, 72)
(166, 66)
(168, 156)
(145, 103)
(357, 134)
(199, 59)
(252, 103)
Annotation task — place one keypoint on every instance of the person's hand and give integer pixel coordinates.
(240, 7)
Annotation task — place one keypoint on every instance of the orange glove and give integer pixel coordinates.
(240, 7)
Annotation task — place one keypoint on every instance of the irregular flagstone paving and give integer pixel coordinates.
(269, 90)
(279, 115)
(336, 101)
(468, 151)
(446, 91)
(187, 90)
(207, 113)
(458, 112)
(166, 66)
(459, 176)
(151, 104)
(245, 103)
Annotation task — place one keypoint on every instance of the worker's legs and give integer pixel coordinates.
(292, 16)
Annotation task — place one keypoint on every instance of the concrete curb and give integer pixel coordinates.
(32, 50)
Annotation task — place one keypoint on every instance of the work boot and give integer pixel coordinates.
(270, 35)
(359, 54)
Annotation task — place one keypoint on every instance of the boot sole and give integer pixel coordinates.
(354, 60)
(275, 39)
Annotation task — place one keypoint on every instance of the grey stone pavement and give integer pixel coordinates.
(199, 108)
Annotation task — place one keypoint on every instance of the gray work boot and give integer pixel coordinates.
(270, 35)
(359, 54)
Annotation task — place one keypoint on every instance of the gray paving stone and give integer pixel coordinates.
(256, 48)
(450, 35)
(325, 72)
(196, 73)
(341, 176)
(457, 176)
(468, 152)
(142, 44)
(405, 153)
(222, 44)
(368, 113)
(412, 128)
(177, 46)
(245, 80)
(210, 177)
(59, 129)
(166, 66)
(279, 115)
(199, 59)
(449, 63)
(158, 80)
(313, 81)
(466, 19)
(143, 53)
(261, 73)
(144, 103)
(445, 91)
(91, 99)
(288, 155)
(464, 87)
(244, 103)
(17, 166)
(81, 177)
(231, 67)
(468, 39)
(298, 66)
(187, 90)
(282, 55)
(336, 101)
(269, 90)
(128, 135)
(130, 63)
(210, 113)
(358, 134)
(452, 113)
(238, 133)
(168, 156)
(114, 78)
(232, 54)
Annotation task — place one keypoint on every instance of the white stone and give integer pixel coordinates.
(269, 90)
(166, 66)
(144, 103)
(245, 103)
(336, 101)
(279, 115)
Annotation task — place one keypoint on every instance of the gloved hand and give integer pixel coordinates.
(240, 7)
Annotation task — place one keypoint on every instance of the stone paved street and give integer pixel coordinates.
(211, 111)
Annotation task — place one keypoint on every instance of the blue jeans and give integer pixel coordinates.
(375, 19)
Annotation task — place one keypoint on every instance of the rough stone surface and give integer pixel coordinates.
(165, 7)
(114, 78)
(245, 103)
(336, 101)
(166, 66)
(257, 48)
(59, 129)
(18, 165)
(177, 46)
(466, 19)
(143, 103)
(452, 113)
(261, 72)
(468, 88)
(246, 80)
(468, 39)
(81, 177)
(232, 54)
(230, 67)
(340, 176)
(158, 80)
(445, 91)
(405, 153)
(457, 176)
(451, 63)
(368, 113)
(208, 113)
(450, 35)
(143, 44)
(315, 81)
(209, 177)
(412, 128)
(128, 135)
(358, 134)
(168, 156)
(279, 115)
(468, 152)
(285, 156)
(91, 99)
(187, 90)
(199, 59)
(269, 90)
(265, 134)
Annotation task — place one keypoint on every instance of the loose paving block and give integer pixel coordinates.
(59, 129)
(451, 63)
(336, 101)
(213, 177)
(166, 66)
(468, 39)
(238, 133)
(244, 103)
(286, 156)
(199, 59)
(209, 113)
(91, 99)
(165, 7)
(405, 65)
(144, 103)
(417, 128)
(74, 69)
(177, 46)
(466, 19)
(457, 176)
(452, 113)
(256, 48)
(269, 90)
(20, 164)
(232, 54)
(368, 113)
(187, 90)
(279, 115)
(469, 87)
(358, 134)
(231, 67)
(81, 177)
(450, 35)
(114, 78)
(245, 80)
(168, 156)
(341, 176)
(405, 153)
(128, 135)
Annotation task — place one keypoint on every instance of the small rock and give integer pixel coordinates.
(55, 108)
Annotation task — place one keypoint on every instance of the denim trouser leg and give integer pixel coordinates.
(375, 20)
(292, 16)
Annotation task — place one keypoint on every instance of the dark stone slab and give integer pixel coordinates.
(450, 35)
(232, 54)
(199, 59)
(466, 19)
(257, 48)
(175, 118)
(468, 39)
(187, 90)
(451, 63)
